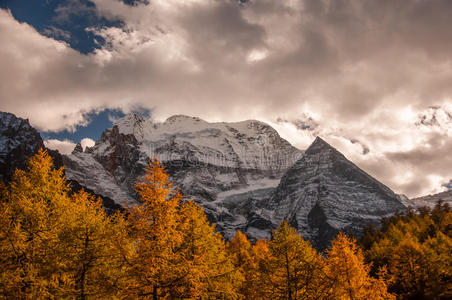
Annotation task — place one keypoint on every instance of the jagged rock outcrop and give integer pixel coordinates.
(78, 148)
(18, 142)
(323, 193)
(230, 169)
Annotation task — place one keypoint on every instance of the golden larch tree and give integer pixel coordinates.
(294, 267)
(209, 269)
(176, 251)
(246, 263)
(155, 264)
(54, 244)
(348, 275)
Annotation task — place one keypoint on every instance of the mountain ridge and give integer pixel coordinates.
(324, 193)
(244, 175)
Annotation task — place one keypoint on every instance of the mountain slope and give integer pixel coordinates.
(231, 169)
(323, 193)
(19, 141)
(431, 200)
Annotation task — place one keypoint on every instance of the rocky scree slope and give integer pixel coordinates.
(324, 193)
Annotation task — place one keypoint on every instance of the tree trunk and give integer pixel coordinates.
(289, 289)
(155, 295)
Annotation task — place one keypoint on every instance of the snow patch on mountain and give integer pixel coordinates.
(244, 175)
(431, 200)
(253, 185)
(88, 172)
(230, 169)
(249, 144)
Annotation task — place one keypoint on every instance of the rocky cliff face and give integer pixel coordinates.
(324, 193)
(231, 169)
(18, 142)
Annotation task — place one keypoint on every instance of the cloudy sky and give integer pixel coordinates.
(374, 78)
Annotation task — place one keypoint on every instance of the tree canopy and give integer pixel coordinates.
(57, 243)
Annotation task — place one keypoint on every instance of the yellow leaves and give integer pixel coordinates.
(54, 244)
(177, 253)
(415, 249)
(293, 266)
(348, 274)
(287, 267)
(58, 244)
(240, 250)
(155, 187)
(154, 229)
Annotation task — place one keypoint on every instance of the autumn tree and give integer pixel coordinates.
(154, 265)
(53, 243)
(87, 250)
(437, 249)
(262, 255)
(415, 249)
(29, 234)
(177, 253)
(246, 261)
(209, 269)
(348, 275)
(293, 268)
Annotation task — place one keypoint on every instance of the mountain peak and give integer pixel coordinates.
(182, 118)
(9, 120)
(324, 193)
(319, 145)
(128, 123)
(78, 148)
(222, 165)
(319, 141)
(18, 142)
(131, 117)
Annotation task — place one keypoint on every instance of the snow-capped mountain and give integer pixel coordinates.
(244, 174)
(323, 193)
(230, 169)
(19, 141)
(430, 200)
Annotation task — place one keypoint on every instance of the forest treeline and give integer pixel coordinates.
(56, 243)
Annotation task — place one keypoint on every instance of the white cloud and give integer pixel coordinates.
(87, 142)
(256, 55)
(361, 77)
(64, 147)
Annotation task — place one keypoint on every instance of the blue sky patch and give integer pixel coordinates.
(64, 20)
(98, 122)
(68, 21)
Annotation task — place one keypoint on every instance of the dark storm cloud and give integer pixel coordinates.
(227, 33)
(361, 70)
